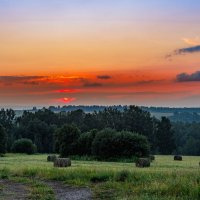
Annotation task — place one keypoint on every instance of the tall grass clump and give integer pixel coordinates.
(5, 173)
(122, 176)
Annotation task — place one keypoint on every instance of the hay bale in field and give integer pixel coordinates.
(178, 158)
(51, 158)
(62, 162)
(143, 162)
(152, 157)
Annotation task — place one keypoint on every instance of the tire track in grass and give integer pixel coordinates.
(11, 190)
(63, 192)
(14, 190)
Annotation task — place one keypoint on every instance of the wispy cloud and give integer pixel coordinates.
(67, 91)
(27, 80)
(104, 77)
(192, 41)
(92, 84)
(147, 82)
(184, 77)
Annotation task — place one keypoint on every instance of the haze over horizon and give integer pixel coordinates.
(99, 52)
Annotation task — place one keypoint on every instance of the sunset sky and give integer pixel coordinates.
(102, 52)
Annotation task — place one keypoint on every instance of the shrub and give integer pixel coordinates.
(103, 146)
(129, 144)
(109, 144)
(24, 146)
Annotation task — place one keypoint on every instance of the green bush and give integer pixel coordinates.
(85, 142)
(24, 146)
(103, 146)
(129, 144)
(109, 144)
(67, 140)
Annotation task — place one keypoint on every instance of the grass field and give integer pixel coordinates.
(165, 179)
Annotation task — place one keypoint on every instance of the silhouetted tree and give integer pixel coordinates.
(39, 132)
(85, 142)
(165, 138)
(66, 140)
(7, 118)
(3, 140)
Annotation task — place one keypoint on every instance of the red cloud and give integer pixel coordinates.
(67, 91)
(66, 100)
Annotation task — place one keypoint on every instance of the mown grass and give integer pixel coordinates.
(165, 179)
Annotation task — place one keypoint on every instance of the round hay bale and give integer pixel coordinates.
(143, 162)
(152, 157)
(51, 158)
(178, 157)
(62, 162)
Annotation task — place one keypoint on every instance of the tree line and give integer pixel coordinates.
(97, 133)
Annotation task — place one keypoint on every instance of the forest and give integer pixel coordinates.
(103, 134)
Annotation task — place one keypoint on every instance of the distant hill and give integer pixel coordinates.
(174, 114)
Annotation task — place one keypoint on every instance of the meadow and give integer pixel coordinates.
(166, 179)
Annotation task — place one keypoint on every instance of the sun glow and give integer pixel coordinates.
(66, 100)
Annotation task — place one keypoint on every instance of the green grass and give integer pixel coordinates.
(165, 179)
(38, 189)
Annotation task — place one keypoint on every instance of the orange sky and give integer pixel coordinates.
(108, 52)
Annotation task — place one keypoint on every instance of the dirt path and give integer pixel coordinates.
(63, 192)
(10, 190)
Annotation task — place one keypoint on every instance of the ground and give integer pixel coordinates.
(12, 190)
(36, 178)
